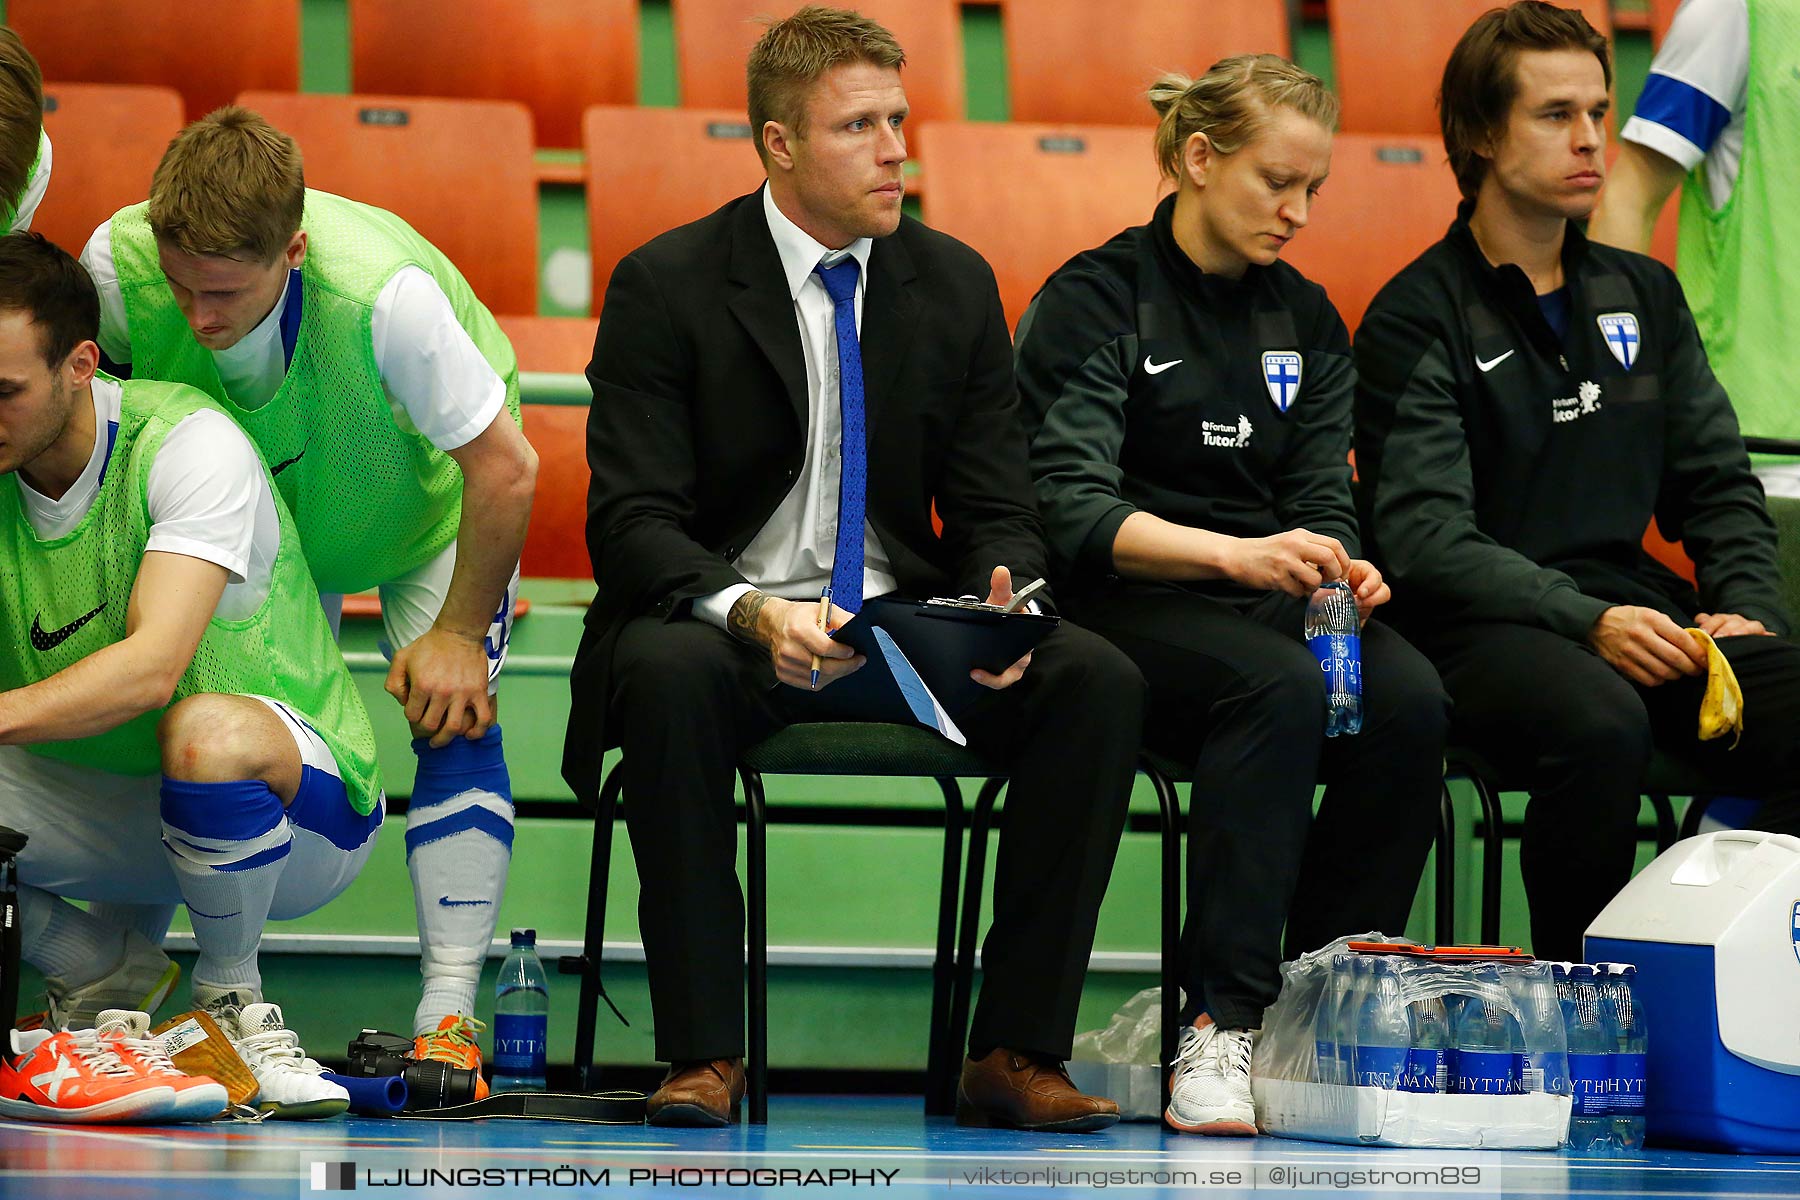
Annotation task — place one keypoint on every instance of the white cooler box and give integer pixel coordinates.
(1714, 928)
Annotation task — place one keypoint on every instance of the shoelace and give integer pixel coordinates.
(99, 1056)
(151, 1053)
(464, 1030)
(1233, 1051)
(1227, 1051)
(283, 1047)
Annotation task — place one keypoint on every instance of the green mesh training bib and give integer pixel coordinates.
(9, 207)
(372, 500)
(66, 598)
(1732, 259)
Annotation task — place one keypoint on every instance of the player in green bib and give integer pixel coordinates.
(172, 680)
(384, 398)
(24, 146)
(1716, 118)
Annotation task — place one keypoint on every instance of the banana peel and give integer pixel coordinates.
(1722, 708)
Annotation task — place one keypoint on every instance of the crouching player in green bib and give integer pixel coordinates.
(384, 399)
(176, 724)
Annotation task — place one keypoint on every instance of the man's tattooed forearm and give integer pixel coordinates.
(745, 615)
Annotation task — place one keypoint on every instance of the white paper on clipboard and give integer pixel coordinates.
(925, 707)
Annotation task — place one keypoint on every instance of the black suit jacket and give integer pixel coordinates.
(698, 430)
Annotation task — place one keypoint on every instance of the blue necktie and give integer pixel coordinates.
(853, 473)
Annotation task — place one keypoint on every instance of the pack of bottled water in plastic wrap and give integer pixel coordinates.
(1452, 1050)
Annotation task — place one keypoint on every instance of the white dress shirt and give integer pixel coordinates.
(791, 555)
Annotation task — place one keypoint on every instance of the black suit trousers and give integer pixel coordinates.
(688, 699)
(1553, 717)
(1235, 691)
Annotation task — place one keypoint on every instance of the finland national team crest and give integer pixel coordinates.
(1281, 371)
(1620, 329)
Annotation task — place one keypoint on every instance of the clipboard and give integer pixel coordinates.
(943, 642)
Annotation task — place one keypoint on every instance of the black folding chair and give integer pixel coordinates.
(821, 748)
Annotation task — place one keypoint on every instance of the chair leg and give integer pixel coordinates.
(970, 919)
(1446, 868)
(944, 1053)
(1169, 805)
(1665, 820)
(756, 853)
(593, 937)
(1690, 820)
(1493, 835)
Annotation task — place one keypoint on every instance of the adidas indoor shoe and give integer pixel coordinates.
(140, 982)
(454, 1042)
(74, 1077)
(293, 1088)
(1210, 1089)
(197, 1097)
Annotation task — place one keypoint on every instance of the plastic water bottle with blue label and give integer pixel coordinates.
(1325, 1037)
(1383, 1032)
(1429, 1058)
(1356, 990)
(1617, 982)
(1593, 1043)
(1334, 634)
(1488, 1047)
(521, 1017)
(1546, 1064)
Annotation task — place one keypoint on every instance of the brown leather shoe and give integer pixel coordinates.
(698, 1093)
(1014, 1090)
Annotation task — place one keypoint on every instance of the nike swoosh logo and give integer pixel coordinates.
(1156, 368)
(447, 902)
(285, 463)
(1491, 363)
(50, 641)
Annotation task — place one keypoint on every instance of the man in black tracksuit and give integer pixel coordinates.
(1527, 400)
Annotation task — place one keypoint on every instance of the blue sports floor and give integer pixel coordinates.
(886, 1141)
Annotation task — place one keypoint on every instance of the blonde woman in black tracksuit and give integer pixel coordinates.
(1195, 488)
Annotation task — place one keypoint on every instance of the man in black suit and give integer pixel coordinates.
(804, 359)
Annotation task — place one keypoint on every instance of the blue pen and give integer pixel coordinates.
(824, 619)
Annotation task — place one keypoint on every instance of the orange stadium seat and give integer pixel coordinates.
(413, 157)
(1389, 56)
(208, 50)
(1066, 189)
(562, 345)
(1075, 61)
(105, 142)
(1387, 199)
(556, 543)
(555, 56)
(713, 38)
(651, 169)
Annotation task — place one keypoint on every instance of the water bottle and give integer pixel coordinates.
(1383, 1032)
(1546, 1063)
(1618, 980)
(1325, 1039)
(521, 1017)
(1334, 633)
(1488, 1047)
(1592, 1046)
(1428, 1061)
(1356, 989)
